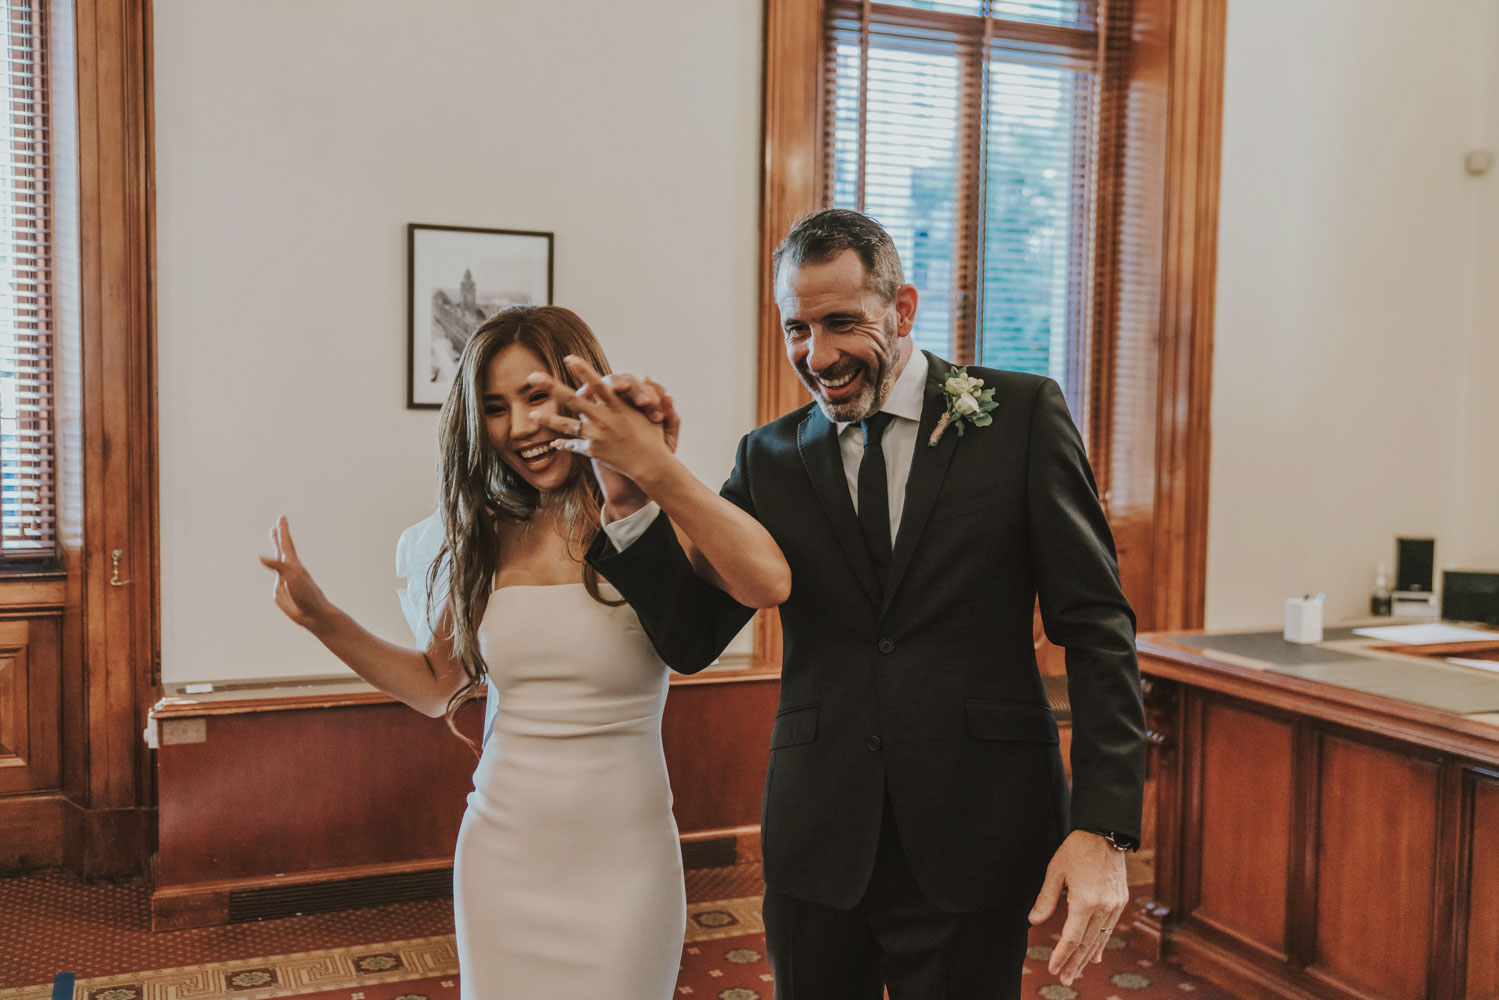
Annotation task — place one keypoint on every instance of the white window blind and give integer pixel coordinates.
(969, 129)
(27, 482)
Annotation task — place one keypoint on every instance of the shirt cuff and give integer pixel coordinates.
(624, 532)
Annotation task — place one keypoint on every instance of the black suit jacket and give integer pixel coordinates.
(930, 690)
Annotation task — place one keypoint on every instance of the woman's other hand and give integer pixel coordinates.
(296, 593)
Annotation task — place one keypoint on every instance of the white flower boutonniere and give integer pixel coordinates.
(967, 402)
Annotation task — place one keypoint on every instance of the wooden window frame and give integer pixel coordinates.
(1177, 45)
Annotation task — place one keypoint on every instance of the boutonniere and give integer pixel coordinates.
(967, 402)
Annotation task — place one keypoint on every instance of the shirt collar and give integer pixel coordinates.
(908, 394)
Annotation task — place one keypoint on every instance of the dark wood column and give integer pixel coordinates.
(111, 619)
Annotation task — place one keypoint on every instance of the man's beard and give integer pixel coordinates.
(877, 381)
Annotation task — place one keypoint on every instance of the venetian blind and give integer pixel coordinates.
(27, 529)
(973, 130)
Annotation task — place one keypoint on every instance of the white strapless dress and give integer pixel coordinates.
(567, 884)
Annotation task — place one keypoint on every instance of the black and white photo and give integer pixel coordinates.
(459, 277)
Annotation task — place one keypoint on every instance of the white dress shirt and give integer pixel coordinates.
(904, 403)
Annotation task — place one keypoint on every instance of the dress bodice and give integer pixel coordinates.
(562, 664)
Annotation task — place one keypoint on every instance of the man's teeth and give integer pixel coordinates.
(834, 383)
(538, 451)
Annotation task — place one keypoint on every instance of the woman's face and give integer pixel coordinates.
(523, 444)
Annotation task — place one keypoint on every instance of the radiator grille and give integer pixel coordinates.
(714, 852)
(345, 894)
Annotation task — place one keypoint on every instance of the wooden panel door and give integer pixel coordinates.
(1377, 832)
(30, 752)
(1483, 895)
(1246, 807)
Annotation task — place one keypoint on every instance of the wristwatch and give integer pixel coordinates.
(1117, 841)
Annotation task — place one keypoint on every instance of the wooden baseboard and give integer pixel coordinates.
(206, 904)
(33, 828)
(1225, 969)
(50, 830)
(102, 844)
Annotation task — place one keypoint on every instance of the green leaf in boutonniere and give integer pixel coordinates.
(968, 402)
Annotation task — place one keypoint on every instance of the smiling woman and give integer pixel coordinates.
(573, 721)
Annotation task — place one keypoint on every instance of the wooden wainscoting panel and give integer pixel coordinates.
(30, 706)
(1482, 904)
(1246, 824)
(15, 709)
(307, 790)
(717, 743)
(1377, 829)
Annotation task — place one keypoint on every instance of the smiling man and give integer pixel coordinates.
(916, 812)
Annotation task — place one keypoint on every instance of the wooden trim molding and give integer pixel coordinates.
(791, 175)
(111, 628)
(1194, 123)
(791, 182)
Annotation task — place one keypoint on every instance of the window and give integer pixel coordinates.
(970, 130)
(27, 529)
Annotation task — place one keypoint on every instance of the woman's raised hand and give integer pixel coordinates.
(296, 594)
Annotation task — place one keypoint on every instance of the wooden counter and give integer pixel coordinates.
(1327, 817)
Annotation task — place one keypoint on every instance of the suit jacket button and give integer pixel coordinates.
(887, 645)
(873, 743)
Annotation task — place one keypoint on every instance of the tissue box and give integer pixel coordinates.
(1304, 619)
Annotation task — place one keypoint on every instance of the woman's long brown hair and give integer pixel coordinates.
(477, 490)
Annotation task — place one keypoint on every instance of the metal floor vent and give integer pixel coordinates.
(715, 852)
(346, 894)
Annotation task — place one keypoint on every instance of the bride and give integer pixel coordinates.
(567, 879)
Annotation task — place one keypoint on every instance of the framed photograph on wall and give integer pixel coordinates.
(458, 277)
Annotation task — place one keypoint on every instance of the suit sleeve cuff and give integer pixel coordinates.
(627, 530)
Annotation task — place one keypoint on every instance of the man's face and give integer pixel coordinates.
(846, 345)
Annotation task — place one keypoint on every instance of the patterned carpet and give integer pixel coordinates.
(51, 923)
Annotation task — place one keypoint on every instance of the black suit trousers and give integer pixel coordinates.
(893, 938)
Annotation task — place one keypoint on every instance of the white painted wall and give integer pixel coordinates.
(1356, 367)
(295, 140)
(1480, 514)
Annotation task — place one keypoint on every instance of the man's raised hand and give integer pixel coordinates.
(613, 427)
(646, 395)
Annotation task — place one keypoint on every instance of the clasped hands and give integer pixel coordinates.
(627, 425)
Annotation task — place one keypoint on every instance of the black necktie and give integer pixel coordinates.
(874, 496)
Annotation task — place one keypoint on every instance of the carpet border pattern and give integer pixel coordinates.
(271, 977)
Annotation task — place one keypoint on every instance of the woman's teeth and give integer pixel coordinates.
(530, 454)
(835, 383)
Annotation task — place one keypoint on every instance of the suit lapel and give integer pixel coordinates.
(817, 440)
(928, 469)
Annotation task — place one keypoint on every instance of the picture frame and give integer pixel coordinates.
(457, 277)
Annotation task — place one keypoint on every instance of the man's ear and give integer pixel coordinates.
(905, 309)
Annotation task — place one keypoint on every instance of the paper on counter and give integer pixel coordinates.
(1480, 664)
(1427, 634)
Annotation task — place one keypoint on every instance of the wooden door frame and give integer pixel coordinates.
(111, 620)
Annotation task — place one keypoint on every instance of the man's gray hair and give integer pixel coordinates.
(821, 236)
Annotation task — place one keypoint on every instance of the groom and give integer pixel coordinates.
(916, 813)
